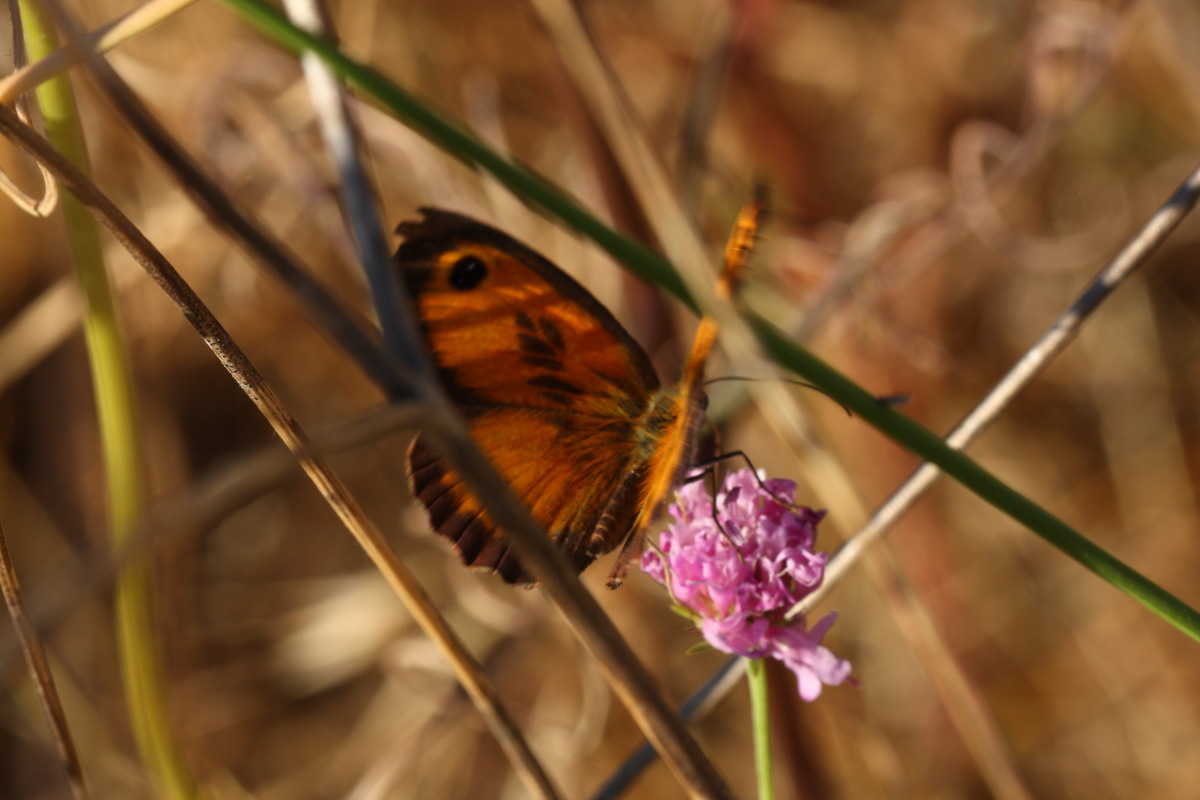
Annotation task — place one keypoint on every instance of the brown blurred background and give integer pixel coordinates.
(945, 178)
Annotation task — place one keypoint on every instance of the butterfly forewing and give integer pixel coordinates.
(507, 327)
(554, 391)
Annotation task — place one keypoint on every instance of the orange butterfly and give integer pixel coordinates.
(558, 396)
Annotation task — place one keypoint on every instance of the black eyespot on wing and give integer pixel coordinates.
(467, 273)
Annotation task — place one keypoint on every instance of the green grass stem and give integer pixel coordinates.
(535, 190)
(120, 441)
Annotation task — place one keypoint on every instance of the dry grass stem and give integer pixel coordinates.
(40, 675)
(332, 489)
(944, 179)
(1133, 255)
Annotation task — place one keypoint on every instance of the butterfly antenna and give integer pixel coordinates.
(707, 467)
(893, 400)
(806, 385)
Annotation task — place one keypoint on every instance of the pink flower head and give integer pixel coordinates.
(739, 570)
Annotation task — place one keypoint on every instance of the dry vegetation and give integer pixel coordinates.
(946, 177)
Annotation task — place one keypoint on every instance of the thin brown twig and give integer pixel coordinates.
(632, 683)
(335, 493)
(101, 40)
(41, 207)
(331, 316)
(445, 430)
(399, 331)
(704, 97)
(1135, 253)
(201, 505)
(643, 168)
(1048, 346)
(635, 156)
(41, 675)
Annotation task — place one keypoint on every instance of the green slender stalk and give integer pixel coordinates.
(955, 463)
(653, 267)
(760, 716)
(115, 409)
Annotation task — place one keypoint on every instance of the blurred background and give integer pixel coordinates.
(945, 178)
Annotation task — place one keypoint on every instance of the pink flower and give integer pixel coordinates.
(737, 572)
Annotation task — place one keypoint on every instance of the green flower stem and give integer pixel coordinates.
(760, 715)
(120, 442)
(524, 183)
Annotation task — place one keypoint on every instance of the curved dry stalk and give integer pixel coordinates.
(40, 674)
(885, 224)
(101, 40)
(34, 207)
(330, 315)
(445, 430)
(469, 672)
(203, 504)
(704, 97)
(596, 82)
(631, 681)
(643, 169)
(399, 331)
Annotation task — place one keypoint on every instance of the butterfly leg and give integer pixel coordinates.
(631, 550)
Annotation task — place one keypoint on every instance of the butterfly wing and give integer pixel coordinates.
(553, 389)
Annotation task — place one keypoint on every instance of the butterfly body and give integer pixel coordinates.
(559, 397)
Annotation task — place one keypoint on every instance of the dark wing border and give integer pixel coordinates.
(440, 229)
